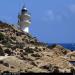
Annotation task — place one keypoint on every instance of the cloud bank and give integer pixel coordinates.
(60, 15)
(72, 8)
(50, 15)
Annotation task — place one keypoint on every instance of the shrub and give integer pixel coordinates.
(12, 66)
(8, 51)
(20, 45)
(1, 52)
(72, 70)
(1, 62)
(4, 41)
(6, 72)
(45, 67)
(56, 69)
(8, 45)
(32, 41)
(35, 55)
(65, 52)
(1, 36)
(29, 50)
(33, 63)
(52, 46)
(6, 64)
(13, 38)
(21, 70)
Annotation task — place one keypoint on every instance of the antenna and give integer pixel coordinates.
(24, 5)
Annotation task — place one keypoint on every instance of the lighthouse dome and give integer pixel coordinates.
(24, 10)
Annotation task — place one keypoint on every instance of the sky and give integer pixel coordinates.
(53, 21)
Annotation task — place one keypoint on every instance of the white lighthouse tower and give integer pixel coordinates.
(24, 19)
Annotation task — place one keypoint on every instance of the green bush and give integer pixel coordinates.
(56, 69)
(29, 50)
(52, 46)
(8, 45)
(1, 36)
(20, 45)
(13, 38)
(4, 41)
(6, 64)
(1, 51)
(72, 70)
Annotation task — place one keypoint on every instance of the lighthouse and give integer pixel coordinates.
(24, 19)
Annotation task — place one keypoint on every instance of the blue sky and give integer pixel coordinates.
(53, 21)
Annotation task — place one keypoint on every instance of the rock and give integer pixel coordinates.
(36, 70)
(27, 54)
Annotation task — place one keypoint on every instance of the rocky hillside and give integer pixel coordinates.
(21, 52)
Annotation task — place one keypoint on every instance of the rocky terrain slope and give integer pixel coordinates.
(21, 52)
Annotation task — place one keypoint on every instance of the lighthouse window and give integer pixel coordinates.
(23, 10)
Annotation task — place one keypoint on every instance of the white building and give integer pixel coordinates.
(24, 19)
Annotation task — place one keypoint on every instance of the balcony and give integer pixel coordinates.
(26, 23)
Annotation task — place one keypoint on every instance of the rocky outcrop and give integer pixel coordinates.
(25, 53)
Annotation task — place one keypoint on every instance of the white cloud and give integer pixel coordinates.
(50, 15)
(72, 8)
(60, 15)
